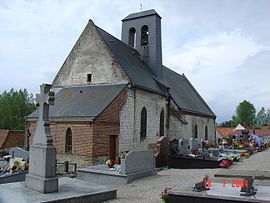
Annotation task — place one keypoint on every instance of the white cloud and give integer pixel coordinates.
(221, 52)
(212, 62)
(221, 46)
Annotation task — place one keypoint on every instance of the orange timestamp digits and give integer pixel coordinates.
(240, 183)
(236, 183)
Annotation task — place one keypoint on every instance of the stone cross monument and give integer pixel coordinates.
(42, 162)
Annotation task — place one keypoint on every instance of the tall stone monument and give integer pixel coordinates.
(42, 162)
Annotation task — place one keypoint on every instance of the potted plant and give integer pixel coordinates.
(109, 163)
(164, 194)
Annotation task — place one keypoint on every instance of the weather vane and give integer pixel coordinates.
(141, 7)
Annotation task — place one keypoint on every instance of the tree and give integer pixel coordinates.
(267, 120)
(261, 117)
(245, 113)
(229, 123)
(14, 106)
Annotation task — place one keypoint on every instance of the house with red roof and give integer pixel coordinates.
(11, 138)
(229, 131)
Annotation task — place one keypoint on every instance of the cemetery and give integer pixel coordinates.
(116, 125)
(193, 153)
(42, 178)
(92, 183)
(228, 184)
(14, 167)
(135, 165)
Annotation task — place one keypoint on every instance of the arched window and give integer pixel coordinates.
(206, 133)
(144, 35)
(68, 143)
(143, 123)
(195, 132)
(132, 37)
(161, 123)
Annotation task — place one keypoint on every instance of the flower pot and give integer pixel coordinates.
(110, 165)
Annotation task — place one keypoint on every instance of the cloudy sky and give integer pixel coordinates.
(222, 46)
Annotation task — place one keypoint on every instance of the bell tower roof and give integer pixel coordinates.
(142, 31)
(141, 14)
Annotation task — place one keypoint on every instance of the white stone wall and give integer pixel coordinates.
(129, 137)
(90, 55)
(179, 130)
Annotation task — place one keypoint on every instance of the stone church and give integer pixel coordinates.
(113, 96)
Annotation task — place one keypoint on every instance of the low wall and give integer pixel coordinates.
(13, 178)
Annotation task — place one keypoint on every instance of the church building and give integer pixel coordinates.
(114, 96)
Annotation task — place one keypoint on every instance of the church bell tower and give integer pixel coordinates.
(142, 31)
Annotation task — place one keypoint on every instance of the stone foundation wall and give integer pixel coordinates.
(79, 160)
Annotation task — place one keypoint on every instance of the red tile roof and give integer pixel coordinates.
(226, 131)
(264, 132)
(3, 137)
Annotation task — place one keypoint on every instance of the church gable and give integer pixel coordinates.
(90, 62)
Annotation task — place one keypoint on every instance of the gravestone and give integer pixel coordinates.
(215, 152)
(194, 143)
(42, 163)
(201, 186)
(248, 188)
(181, 150)
(19, 153)
(173, 147)
(138, 161)
(204, 150)
(162, 152)
(183, 147)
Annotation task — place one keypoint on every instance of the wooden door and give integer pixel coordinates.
(112, 147)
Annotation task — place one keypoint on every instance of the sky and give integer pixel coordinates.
(222, 46)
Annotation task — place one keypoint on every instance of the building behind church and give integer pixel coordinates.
(113, 96)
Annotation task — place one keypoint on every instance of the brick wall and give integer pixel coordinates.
(14, 139)
(108, 123)
(82, 140)
(90, 140)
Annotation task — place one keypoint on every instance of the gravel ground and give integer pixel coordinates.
(148, 189)
(257, 162)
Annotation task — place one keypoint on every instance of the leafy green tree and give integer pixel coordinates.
(245, 113)
(229, 123)
(267, 119)
(261, 117)
(14, 106)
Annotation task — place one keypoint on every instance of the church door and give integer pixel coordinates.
(112, 147)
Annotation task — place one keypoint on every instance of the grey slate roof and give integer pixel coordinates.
(184, 94)
(137, 70)
(82, 102)
(181, 90)
(140, 14)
